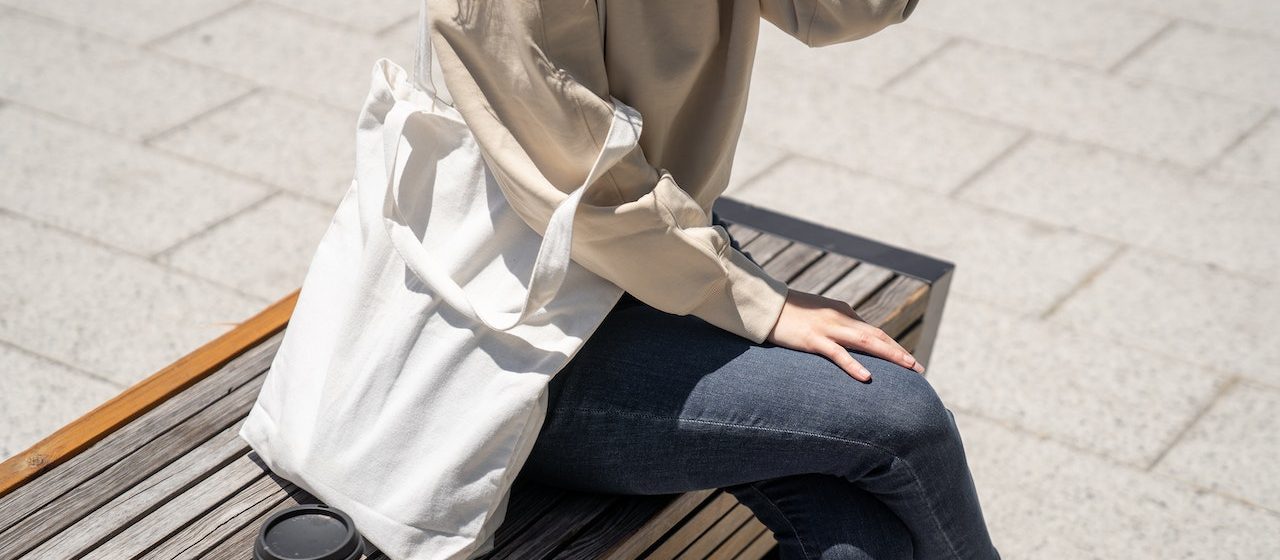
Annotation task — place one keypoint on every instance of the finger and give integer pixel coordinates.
(838, 354)
(874, 341)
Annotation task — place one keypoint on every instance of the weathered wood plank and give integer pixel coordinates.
(548, 533)
(764, 247)
(530, 501)
(759, 547)
(686, 533)
(123, 476)
(895, 306)
(658, 525)
(193, 541)
(35, 494)
(717, 533)
(239, 545)
(911, 338)
(742, 234)
(859, 283)
(176, 513)
(733, 546)
(791, 261)
(139, 498)
(822, 274)
(74, 438)
(620, 524)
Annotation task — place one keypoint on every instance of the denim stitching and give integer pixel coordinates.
(933, 514)
(803, 549)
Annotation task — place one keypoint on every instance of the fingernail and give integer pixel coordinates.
(919, 368)
(867, 374)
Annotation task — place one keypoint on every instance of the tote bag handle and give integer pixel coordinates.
(553, 258)
(552, 261)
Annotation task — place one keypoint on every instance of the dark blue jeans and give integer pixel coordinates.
(656, 403)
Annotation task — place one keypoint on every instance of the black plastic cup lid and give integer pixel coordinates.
(308, 532)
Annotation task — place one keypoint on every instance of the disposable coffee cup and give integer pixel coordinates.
(308, 532)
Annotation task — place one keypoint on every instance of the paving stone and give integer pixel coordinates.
(1211, 60)
(1186, 310)
(750, 160)
(122, 194)
(1079, 502)
(1096, 34)
(41, 396)
(1149, 205)
(285, 140)
(1256, 159)
(877, 133)
(1255, 16)
(1136, 116)
(264, 251)
(869, 62)
(1235, 447)
(107, 85)
(1015, 263)
(1082, 390)
(102, 311)
(368, 15)
(280, 48)
(134, 21)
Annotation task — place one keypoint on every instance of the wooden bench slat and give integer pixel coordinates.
(547, 533)
(911, 338)
(683, 535)
(764, 247)
(193, 541)
(895, 306)
(529, 502)
(720, 530)
(742, 234)
(123, 477)
(737, 543)
(619, 524)
(759, 547)
(856, 286)
(792, 261)
(239, 545)
(173, 515)
(660, 524)
(822, 274)
(36, 493)
(140, 497)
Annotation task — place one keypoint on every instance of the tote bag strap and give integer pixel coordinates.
(422, 60)
(553, 257)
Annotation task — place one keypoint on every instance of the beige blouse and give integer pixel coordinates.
(533, 78)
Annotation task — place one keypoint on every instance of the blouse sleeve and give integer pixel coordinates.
(541, 127)
(819, 23)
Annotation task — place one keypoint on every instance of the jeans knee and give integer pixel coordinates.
(918, 418)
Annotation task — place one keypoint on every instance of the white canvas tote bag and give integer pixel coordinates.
(411, 382)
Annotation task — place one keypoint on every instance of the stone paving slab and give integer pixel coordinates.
(1046, 499)
(1260, 17)
(1136, 201)
(367, 15)
(1087, 32)
(264, 251)
(281, 48)
(103, 311)
(39, 393)
(133, 21)
(1186, 310)
(114, 87)
(880, 134)
(121, 194)
(1213, 61)
(1168, 124)
(1023, 265)
(1235, 447)
(868, 63)
(280, 139)
(1254, 160)
(1085, 391)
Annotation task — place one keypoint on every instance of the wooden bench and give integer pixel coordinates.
(159, 471)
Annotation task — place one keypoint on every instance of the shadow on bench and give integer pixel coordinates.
(160, 472)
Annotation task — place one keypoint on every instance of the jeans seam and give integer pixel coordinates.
(800, 540)
(933, 513)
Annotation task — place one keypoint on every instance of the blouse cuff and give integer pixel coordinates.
(748, 303)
